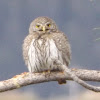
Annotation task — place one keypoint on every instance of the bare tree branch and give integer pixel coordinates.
(76, 78)
(27, 78)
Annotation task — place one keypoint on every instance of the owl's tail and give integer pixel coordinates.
(61, 81)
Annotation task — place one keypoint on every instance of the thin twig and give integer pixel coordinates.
(76, 78)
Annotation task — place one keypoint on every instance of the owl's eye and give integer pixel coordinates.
(37, 26)
(49, 25)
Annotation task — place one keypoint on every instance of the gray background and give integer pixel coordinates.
(77, 18)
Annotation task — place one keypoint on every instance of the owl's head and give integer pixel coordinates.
(42, 25)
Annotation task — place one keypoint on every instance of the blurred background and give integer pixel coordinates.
(79, 19)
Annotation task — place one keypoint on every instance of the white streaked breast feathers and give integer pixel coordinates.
(41, 53)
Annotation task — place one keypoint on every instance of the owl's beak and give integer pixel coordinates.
(43, 28)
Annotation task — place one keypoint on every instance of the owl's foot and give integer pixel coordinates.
(62, 72)
(46, 73)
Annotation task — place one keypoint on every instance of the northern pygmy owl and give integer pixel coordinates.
(44, 43)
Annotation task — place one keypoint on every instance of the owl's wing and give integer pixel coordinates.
(26, 44)
(63, 45)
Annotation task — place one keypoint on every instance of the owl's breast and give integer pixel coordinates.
(41, 52)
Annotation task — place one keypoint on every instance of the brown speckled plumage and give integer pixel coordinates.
(43, 43)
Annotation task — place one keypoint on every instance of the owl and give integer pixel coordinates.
(44, 43)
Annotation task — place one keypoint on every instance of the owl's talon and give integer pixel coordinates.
(62, 72)
(46, 73)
